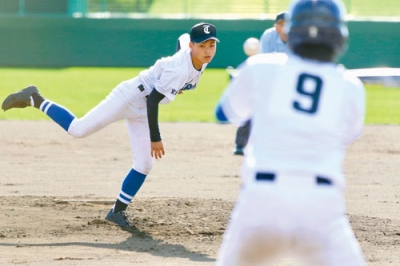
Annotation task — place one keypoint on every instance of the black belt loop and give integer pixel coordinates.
(265, 177)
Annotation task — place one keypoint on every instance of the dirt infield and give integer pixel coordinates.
(56, 190)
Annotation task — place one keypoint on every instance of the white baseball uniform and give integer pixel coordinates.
(304, 115)
(135, 100)
(168, 75)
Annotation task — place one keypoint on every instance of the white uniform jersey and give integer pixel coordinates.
(304, 113)
(172, 74)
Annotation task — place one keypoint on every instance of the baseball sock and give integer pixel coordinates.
(58, 113)
(130, 186)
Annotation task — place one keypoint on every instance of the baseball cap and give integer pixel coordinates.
(281, 16)
(202, 32)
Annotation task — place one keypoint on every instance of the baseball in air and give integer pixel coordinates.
(251, 46)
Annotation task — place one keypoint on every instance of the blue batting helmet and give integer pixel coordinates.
(318, 22)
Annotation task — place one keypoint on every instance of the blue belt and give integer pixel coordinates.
(270, 177)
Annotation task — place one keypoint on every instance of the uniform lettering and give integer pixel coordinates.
(189, 86)
(308, 86)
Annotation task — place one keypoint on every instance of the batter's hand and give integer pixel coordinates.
(157, 149)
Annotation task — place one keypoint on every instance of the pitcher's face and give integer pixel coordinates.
(203, 52)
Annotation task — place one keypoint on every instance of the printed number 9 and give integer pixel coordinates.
(309, 86)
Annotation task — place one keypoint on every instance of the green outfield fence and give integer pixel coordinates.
(135, 33)
(259, 9)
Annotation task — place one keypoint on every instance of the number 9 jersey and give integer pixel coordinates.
(304, 113)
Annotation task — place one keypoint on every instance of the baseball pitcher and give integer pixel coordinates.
(135, 100)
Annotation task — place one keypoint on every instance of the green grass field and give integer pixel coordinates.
(80, 89)
(354, 7)
(357, 8)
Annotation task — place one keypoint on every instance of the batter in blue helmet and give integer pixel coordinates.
(305, 110)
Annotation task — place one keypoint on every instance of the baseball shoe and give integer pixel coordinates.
(119, 219)
(239, 150)
(19, 99)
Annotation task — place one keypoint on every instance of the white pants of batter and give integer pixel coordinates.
(125, 101)
(291, 217)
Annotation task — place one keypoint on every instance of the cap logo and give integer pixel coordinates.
(313, 31)
(202, 32)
